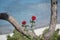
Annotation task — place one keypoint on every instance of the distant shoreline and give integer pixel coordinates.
(8, 30)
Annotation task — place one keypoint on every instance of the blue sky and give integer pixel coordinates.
(24, 9)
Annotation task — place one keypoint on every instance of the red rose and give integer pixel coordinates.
(23, 22)
(33, 17)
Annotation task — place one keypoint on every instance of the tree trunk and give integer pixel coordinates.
(53, 20)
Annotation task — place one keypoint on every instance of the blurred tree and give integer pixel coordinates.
(52, 20)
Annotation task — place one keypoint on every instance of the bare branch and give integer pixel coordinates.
(16, 25)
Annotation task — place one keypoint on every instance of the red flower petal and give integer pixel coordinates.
(23, 22)
(33, 17)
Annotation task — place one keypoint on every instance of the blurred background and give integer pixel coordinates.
(23, 10)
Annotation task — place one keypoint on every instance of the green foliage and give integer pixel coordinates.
(19, 36)
(16, 36)
(55, 36)
(45, 31)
